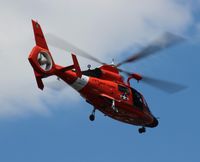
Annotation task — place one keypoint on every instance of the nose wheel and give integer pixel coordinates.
(92, 116)
(142, 130)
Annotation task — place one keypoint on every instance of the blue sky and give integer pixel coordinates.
(38, 126)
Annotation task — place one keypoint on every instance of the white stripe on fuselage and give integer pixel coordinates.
(80, 83)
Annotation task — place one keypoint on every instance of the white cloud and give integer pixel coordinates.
(103, 28)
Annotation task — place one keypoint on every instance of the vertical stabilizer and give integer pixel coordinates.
(39, 36)
(76, 66)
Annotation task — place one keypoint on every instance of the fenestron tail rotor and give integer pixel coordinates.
(44, 61)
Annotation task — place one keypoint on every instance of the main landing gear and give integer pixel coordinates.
(142, 130)
(92, 116)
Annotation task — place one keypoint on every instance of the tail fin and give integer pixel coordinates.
(76, 66)
(39, 36)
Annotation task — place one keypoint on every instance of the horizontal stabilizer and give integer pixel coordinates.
(66, 68)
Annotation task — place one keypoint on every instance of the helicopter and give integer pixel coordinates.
(103, 87)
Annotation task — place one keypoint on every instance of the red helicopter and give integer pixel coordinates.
(103, 87)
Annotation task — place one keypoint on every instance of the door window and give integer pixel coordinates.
(123, 89)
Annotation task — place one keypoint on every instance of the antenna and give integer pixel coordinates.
(89, 66)
(113, 62)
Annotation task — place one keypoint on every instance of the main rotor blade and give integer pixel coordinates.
(124, 71)
(60, 43)
(165, 41)
(163, 85)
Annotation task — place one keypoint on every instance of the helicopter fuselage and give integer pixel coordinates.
(103, 87)
(115, 99)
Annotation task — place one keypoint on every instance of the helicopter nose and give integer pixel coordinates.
(155, 122)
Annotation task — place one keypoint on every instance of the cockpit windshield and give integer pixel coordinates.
(137, 99)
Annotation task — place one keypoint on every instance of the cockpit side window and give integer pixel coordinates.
(123, 89)
(93, 73)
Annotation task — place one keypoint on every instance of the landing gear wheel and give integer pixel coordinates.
(142, 130)
(92, 117)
